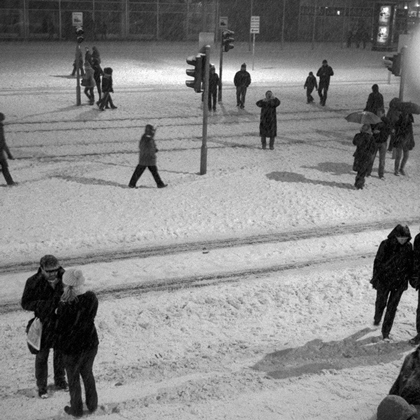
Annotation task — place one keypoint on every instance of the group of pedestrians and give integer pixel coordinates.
(67, 313)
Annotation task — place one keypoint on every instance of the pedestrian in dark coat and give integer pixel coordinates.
(77, 339)
(407, 384)
(375, 100)
(268, 118)
(310, 85)
(97, 74)
(403, 141)
(214, 83)
(415, 282)
(381, 132)
(107, 89)
(41, 295)
(147, 158)
(241, 80)
(392, 270)
(393, 115)
(324, 73)
(95, 55)
(363, 156)
(4, 154)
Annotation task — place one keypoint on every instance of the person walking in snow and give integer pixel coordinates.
(403, 142)
(375, 100)
(324, 73)
(392, 270)
(4, 154)
(310, 85)
(241, 80)
(77, 340)
(107, 89)
(268, 119)
(415, 282)
(41, 295)
(214, 83)
(147, 158)
(363, 156)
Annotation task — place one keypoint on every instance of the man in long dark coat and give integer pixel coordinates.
(324, 73)
(392, 270)
(41, 295)
(268, 118)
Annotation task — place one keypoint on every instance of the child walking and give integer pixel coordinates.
(310, 85)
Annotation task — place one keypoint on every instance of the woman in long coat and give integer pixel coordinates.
(89, 83)
(268, 119)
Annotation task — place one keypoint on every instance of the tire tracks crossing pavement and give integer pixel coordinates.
(121, 291)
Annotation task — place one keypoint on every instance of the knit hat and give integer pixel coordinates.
(394, 407)
(48, 261)
(73, 277)
(243, 65)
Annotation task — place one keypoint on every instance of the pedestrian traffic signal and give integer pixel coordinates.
(196, 72)
(79, 34)
(396, 65)
(227, 40)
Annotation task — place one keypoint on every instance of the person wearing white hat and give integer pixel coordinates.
(77, 339)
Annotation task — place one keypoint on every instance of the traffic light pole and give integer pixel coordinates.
(203, 163)
(403, 72)
(78, 52)
(219, 98)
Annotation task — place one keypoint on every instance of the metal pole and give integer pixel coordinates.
(402, 81)
(282, 24)
(60, 29)
(252, 11)
(157, 20)
(253, 50)
(203, 163)
(314, 25)
(78, 100)
(219, 97)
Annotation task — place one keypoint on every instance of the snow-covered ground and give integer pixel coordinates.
(264, 308)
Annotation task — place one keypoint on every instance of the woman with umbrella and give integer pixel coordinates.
(365, 149)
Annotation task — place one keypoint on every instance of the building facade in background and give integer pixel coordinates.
(289, 20)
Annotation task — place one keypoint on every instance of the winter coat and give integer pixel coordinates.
(148, 151)
(407, 385)
(76, 331)
(96, 55)
(88, 77)
(393, 265)
(268, 118)
(311, 83)
(394, 407)
(4, 150)
(39, 297)
(375, 101)
(416, 265)
(107, 83)
(384, 129)
(242, 78)
(97, 71)
(365, 148)
(404, 137)
(214, 82)
(324, 73)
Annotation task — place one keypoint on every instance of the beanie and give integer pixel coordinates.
(48, 261)
(73, 277)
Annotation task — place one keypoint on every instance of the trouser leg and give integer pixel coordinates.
(380, 303)
(6, 173)
(86, 371)
(238, 96)
(136, 175)
(371, 162)
(41, 370)
(73, 363)
(382, 156)
(406, 155)
(243, 96)
(264, 142)
(391, 310)
(360, 177)
(104, 100)
(271, 143)
(156, 176)
(58, 363)
(398, 155)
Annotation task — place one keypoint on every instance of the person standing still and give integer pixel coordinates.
(268, 119)
(403, 142)
(4, 154)
(214, 83)
(241, 80)
(310, 85)
(97, 73)
(41, 295)
(77, 340)
(392, 270)
(324, 73)
(107, 89)
(147, 158)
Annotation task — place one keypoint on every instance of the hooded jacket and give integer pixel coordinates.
(393, 265)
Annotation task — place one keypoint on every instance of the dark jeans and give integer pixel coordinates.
(82, 72)
(139, 171)
(388, 299)
(6, 173)
(98, 86)
(309, 96)
(81, 365)
(89, 93)
(361, 175)
(240, 95)
(381, 147)
(264, 142)
(106, 99)
(399, 152)
(322, 92)
(212, 100)
(41, 369)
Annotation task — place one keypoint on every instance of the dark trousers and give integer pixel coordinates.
(98, 87)
(381, 147)
(388, 299)
(360, 176)
(138, 172)
(212, 100)
(41, 368)
(6, 173)
(400, 153)
(418, 314)
(81, 365)
(240, 96)
(89, 93)
(264, 142)
(106, 99)
(82, 72)
(322, 92)
(309, 97)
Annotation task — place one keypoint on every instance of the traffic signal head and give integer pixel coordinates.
(79, 34)
(196, 72)
(227, 40)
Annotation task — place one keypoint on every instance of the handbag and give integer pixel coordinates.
(33, 335)
(84, 82)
